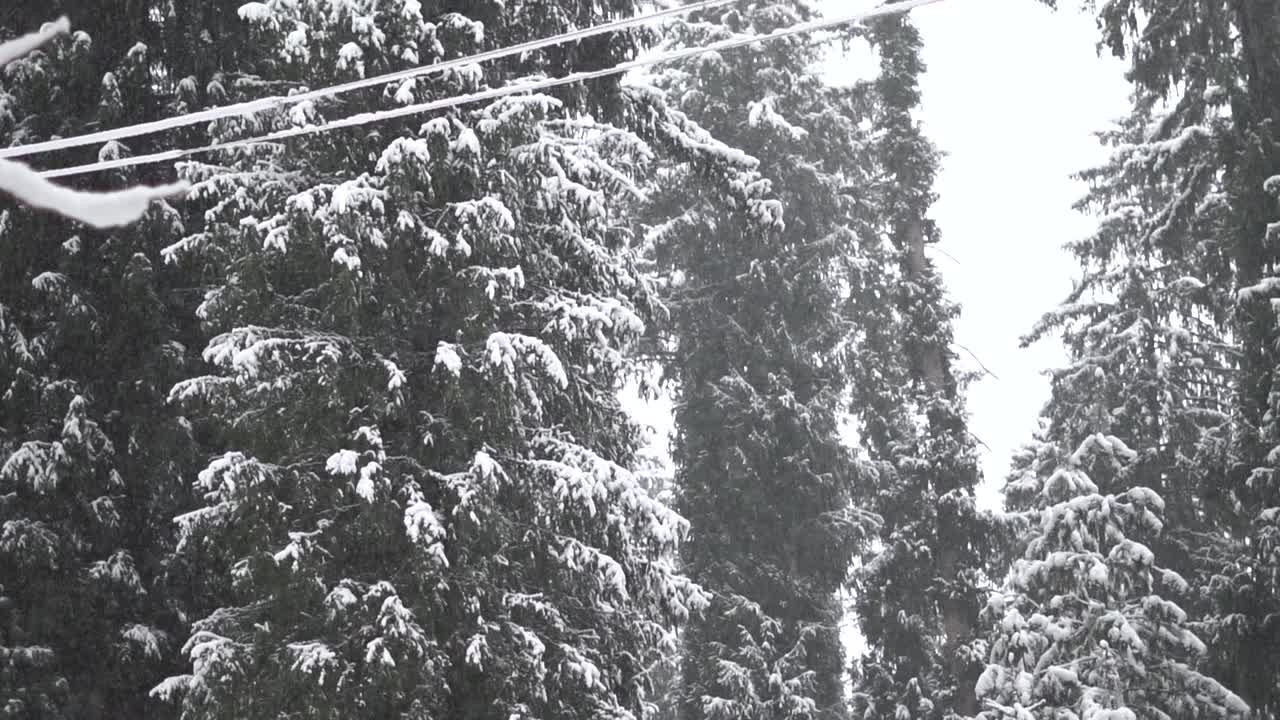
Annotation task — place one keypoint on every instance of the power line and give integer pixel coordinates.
(449, 102)
(268, 103)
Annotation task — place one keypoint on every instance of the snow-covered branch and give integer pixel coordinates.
(100, 210)
(19, 47)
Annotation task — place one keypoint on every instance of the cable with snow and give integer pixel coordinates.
(267, 103)
(100, 210)
(449, 102)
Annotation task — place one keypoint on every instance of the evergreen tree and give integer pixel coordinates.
(1147, 332)
(421, 484)
(91, 460)
(918, 597)
(757, 367)
(1081, 628)
(1197, 201)
(1146, 326)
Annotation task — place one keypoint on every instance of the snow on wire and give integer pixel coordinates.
(262, 104)
(494, 93)
(99, 210)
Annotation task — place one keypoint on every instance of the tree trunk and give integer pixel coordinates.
(1257, 158)
(955, 618)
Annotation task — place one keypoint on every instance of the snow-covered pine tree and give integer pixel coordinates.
(1146, 325)
(1082, 628)
(918, 594)
(91, 459)
(1146, 328)
(756, 358)
(421, 489)
(1208, 160)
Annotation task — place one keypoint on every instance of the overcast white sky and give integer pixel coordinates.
(1013, 94)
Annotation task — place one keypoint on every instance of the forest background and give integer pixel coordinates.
(419, 493)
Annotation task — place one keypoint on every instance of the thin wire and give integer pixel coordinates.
(449, 102)
(268, 103)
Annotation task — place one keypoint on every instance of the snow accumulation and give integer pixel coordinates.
(100, 210)
(447, 358)
(343, 463)
(20, 47)
(255, 12)
(351, 57)
(1266, 286)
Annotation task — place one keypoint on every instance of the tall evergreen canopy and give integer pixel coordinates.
(1172, 329)
(339, 434)
(919, 593)
(421, 490)
(93, 463)
(758, 345)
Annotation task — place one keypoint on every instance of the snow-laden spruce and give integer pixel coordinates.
(1171, 325)
(423, 492)
(1084, 627)
(1148, 350)
(756, 342)
(90, 457)
(918, 595)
